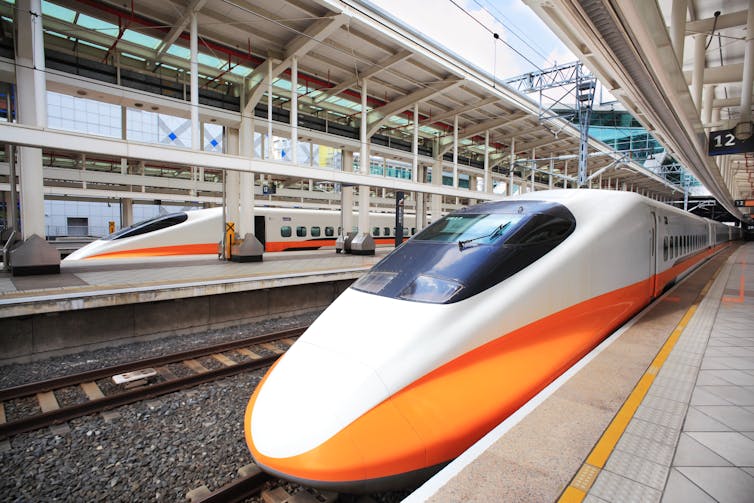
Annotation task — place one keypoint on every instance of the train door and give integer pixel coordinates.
(259, 228)
(654, 255)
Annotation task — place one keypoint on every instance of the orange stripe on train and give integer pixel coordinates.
(162, 251)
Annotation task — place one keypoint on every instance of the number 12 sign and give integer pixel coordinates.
(725, 142)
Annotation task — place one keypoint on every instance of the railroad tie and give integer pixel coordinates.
(289, 341)
(166, 373)
(47, 401)
(223, 359)
(2, 413)
(92, 391)
(272, 347)
(195, 366)
(249, 353)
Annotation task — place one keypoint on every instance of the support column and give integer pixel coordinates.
(421, 202)
(232, 182)
(708, 96)
(415, 146)
(697, 76)
(269, 108)
(35, 255)
(346, 196)
(126, 212)
(678, 28)
(748, 73)
(551, 177)
(194, 84)
(363, 243)
(511, 163)
(455, 151)
(565, 174)
(246, 179)
(533, 167)
(487, 175)
(436, 204)
(294, 110)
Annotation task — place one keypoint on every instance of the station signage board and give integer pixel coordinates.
(744, 203)
(725, 142)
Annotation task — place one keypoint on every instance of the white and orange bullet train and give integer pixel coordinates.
(197, 232)
(455, 330)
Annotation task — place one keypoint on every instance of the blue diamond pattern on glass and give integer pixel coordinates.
(213, 142)
(172, 136)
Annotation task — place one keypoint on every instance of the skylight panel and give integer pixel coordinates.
(58, 12)
(141, 39)
(243, 71)
(97, 25)
(207, 60)
(181, 52)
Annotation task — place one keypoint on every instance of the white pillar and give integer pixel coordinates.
(511, 163)
(487, 174)
(126, 212)
(364, 163)
(294, 110)
(31, 92)
(697, 76)
(533, 167)
(748, 74)
(678, 28)
(436, 204)
(565, 175)
(194, 85)
(232, 181)
(415, 146)
(552, 170)
(246, 182)
(269, 108)
(455, 151)
(708, 96)
(346, 195)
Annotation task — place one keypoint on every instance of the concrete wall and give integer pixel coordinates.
(26, 338)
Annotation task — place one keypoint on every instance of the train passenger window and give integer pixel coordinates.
(375, 231)
(329, 231)
(301, 231)
(665, 248)
(316, 232)
(340, 231)
(413, 230)
(405, 231)
(285, 231)
(387, 231)
(541, 228)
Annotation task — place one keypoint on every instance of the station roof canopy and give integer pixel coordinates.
(338, 45)
(680, 67)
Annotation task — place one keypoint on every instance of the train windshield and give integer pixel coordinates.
(478, 228)
(151, 225)
(469, 251)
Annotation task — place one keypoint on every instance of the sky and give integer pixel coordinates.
(519, 28)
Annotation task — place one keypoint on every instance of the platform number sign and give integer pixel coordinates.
(725, 142)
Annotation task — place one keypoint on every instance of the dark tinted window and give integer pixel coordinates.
(301, 231)
(375, 231)
(329, 231)
(387, 231)
(285, 231)
(316, 232)
(151, 225)
(540, 229)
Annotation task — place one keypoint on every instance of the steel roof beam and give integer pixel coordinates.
(314, 35)
(365, 74)
(379, 116)
(459, 110)
(446, 143)
(192, 8)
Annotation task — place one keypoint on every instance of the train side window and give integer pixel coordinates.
(540, 229)
(375, 231)
(340, 231)
(285, 231)
(413, 230)
(405, 231)
(665, 248)
(301, 231)
(153, 224)
(387, 231)
(316, 232)
(329, 231)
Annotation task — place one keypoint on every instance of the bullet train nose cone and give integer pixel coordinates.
(310, 395)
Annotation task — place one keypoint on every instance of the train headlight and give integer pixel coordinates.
(374, 282)
(430, 289)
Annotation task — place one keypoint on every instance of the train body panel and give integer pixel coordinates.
(453, 369)
(199, 232)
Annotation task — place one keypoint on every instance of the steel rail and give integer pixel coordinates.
(92, 375)
(108, 402)
(238, 490)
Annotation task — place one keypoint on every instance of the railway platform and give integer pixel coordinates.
(663, 410)
(95, 302)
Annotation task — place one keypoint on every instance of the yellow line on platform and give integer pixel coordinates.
(578, 488)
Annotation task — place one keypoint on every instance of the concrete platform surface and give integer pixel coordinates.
(107, 282)
(662, 411)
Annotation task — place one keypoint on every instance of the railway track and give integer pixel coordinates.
(139, 380)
